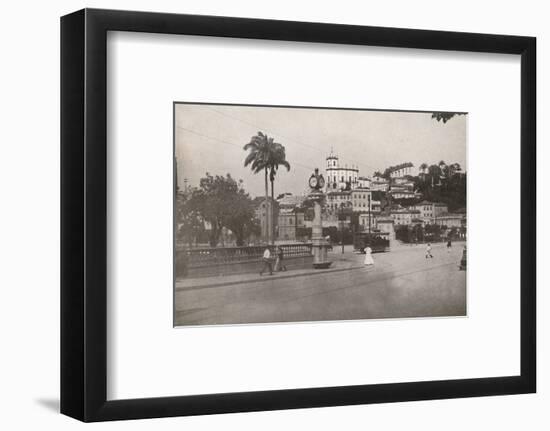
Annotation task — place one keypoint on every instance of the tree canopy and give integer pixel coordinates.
(222, 202)
(443, 183)
(445, 116)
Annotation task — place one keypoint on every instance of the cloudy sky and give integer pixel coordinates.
(210, 138)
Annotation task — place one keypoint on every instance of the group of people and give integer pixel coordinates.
(268, 261)
(369, 261)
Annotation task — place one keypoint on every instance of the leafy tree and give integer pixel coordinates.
(446, 116)
(241, 220)
(447, 185)
(222, 202)
(432, 232)
(418, 233)
(252, 228)
(189, 223)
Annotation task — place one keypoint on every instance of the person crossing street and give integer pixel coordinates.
(267, 262)
(279, 265)
(429, 251)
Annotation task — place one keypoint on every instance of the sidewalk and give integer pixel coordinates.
(342, 264)
(399, 246)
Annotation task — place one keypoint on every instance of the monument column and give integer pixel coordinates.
(319, 243)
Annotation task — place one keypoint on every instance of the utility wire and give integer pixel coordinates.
(271, 131)
(309, 168)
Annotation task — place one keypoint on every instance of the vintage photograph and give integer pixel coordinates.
(293, 214)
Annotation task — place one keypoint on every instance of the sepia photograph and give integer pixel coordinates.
(309, 214)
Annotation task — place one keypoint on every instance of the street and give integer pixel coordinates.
(402, 283)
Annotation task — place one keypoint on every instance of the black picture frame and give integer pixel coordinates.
(84, 214)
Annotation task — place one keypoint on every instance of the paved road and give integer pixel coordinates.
(402, 283)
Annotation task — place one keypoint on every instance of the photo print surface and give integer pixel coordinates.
(292, 214)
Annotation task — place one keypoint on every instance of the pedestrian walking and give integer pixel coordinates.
(449, 245)
(368, 256)
(429, 251)
(462, 266)
(279, 265)
(267, 262)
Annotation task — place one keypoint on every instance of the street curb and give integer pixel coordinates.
(268, 278)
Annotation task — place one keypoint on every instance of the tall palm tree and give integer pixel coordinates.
(278, 158)
(263, 152)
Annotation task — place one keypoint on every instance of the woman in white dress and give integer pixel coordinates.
(368, 256)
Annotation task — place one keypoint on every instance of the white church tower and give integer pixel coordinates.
(340, 177)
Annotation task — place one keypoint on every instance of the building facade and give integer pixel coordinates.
(379, 184)
(262, 208)
(361, 199)
(336, 200)
(404, 216)
(450, 220)
(364, 182)
(430, 210)
(402, 170)
(289, 221)
(340, 177)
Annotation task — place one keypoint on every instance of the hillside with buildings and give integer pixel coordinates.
(417, 203)
(428, 198)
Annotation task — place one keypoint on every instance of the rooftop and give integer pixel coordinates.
(291, 201)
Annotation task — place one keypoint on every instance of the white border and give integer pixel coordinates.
(147, 357)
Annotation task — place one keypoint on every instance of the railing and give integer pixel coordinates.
(203, 257)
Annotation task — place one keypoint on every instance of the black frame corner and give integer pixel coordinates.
(84, 214)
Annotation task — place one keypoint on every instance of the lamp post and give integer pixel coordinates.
(368, 197)
(341, 224)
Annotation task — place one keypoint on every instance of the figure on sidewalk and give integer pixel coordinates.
(279, 265)
(267, 262)
(462, 266)
(429, 251)
(368, 256)
(449, 245)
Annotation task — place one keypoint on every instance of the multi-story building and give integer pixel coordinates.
(364, 182)
(402, 170)
(361, 199)
(379, 184)
(369, 218)
(336, 200)
(404, 216)
(261, 209)
(403, 193)
(289, 221)
(340, 177)
(450, 219)
(291, 201)
(291, 216)
(430, 210)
